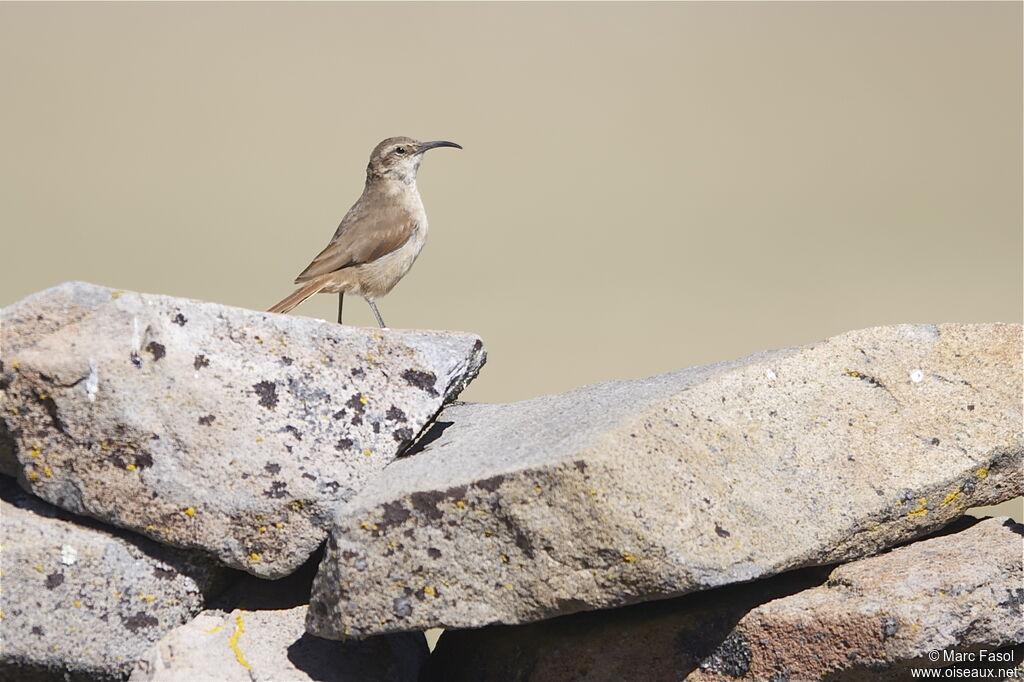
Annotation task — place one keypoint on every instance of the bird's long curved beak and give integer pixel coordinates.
(438, 143)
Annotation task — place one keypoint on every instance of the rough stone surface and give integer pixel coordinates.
(872, 619)
(207, 426)
(272, 646)
(877, 617)
(630, 491)
(81, 602)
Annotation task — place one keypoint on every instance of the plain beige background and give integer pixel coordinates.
(644, 187)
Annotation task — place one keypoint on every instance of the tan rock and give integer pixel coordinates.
(201, 425)
(872, 619)
(631, 491)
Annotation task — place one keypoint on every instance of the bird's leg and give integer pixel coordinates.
(380, 320)
(341, 301)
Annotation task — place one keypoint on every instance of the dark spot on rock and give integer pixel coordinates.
(272, 467)
(339, 414)
(402, 435)
(343, 444)
(478, 344)
(395, 414)
(890, 626)
(347, 555)
(394, 515)
(490, 484)
(53, 580)
(179, 320)
(422, 380)
(402, 607)
(308, 475)
(286, 361)
(356, 420)
(358, 372)
(376, 427)
(134, 357)
(207, 420)
(408, 532)
(935, 441)
(969, 485)
(426, 503)
(138, 621)
(277, 490)
(433, 552)
(721, 532)
(356, 403)
(1015, 601)
(157, 349)
(200, 361)
(294, 431)
(267, 391)
(581, 465)
(970, 408)
(37, 631)
(333, 485)
(732, 657)
(164, 574)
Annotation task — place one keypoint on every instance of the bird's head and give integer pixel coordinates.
(398, 158)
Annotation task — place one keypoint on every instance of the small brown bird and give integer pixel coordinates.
(379, 238)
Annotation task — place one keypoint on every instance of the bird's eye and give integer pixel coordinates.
(399, 150)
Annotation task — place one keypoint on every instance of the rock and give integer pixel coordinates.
(873, 619)
(272, 646)
(206, 426)
(879, 617)
(81, 602)
(637, 490)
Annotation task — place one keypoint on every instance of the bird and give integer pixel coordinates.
(379, 238)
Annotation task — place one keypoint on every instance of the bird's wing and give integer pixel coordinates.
(362, 237)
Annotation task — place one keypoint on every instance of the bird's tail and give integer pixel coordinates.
(301, 294)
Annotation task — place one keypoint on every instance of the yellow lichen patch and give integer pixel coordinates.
(147, 598)
(982, 472)
(296, 505)
(591, 492)
(77, 604)
(366, 525)
(15, 364)
(38, 568)
(116, 295)
(34, 452)
(259, 440)
(363, 399)
(504, 558)
(461, 504)
(189, 512)
(151, 527)
(922, 508)
(263, 529)
(213, 630)
(949, 498)
(104, 447)
(43, 396)
(48, 472)
(239, 629)
(33, 476)
(628, 557)
(15, 410)
(367, 452)
(537, 489)
(256, 557)
(852, 373)
(427, 589)
(131, 467)
(279, 525)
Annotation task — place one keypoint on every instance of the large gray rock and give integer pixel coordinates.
(80, 602)
(872, 619)
(637, 490)
(272, 646)
(207, 426)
